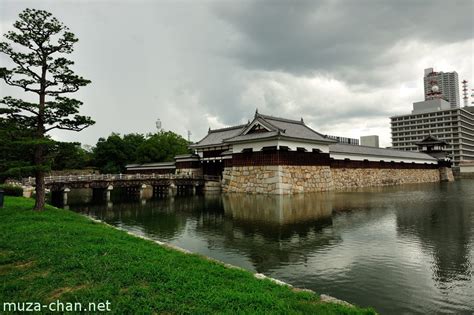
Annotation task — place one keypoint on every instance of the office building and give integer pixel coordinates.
(438, 118)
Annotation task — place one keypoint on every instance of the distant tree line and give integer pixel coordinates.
(109, 155)
(112, 154)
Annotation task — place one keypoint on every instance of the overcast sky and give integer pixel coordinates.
(344, 66)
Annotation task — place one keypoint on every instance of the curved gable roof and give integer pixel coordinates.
(278, 127)
(281, 127)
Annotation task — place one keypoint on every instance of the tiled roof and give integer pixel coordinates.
(364, 150)
(431, 140)
(253, 136)
(278, 127)
(295, 129)
(216, 137)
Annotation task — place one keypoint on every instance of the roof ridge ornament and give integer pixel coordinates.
(302, 121)
(256, 112)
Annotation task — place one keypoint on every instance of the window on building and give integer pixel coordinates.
(270, 148)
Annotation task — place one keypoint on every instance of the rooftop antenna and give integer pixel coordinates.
(465, 93)
(434, 90)
(158, 124)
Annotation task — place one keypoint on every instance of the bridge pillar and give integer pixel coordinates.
(107, 193)
(65, 191)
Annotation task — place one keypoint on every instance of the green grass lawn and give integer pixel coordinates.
(60, 255)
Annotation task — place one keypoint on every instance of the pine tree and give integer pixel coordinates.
(41, 68)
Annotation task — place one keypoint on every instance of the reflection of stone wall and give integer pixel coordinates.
(277, 179)
(286, 179)
(280, 209)
(212, 187)
(346, 178)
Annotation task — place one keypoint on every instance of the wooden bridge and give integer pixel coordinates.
(134, 183)
(57, 183)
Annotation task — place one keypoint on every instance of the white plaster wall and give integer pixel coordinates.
(378, 158)
(257, 146)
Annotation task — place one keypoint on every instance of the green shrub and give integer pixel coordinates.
(12, 190)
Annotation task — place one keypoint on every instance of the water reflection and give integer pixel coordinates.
(284, 209)
(405, 249)
(276, 230)
(443, 226)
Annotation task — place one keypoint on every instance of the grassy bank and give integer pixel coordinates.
(58, 254)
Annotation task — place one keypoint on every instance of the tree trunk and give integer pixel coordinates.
(39, 178)
(40, 191)
(39, 154)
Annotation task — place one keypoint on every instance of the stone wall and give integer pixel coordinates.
(446, 174)
(277, 179)
(285, 179)
(348, 178)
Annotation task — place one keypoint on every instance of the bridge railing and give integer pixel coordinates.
(111, 177)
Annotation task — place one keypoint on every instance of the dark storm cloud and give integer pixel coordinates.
(345, 66)
(303, 37)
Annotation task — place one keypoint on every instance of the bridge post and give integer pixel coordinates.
(65, 191)
(107, 193)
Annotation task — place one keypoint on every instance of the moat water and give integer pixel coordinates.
(402, 250)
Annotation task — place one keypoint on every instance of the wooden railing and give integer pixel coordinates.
(111, 177)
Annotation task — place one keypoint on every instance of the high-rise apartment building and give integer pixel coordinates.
(442, 84)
